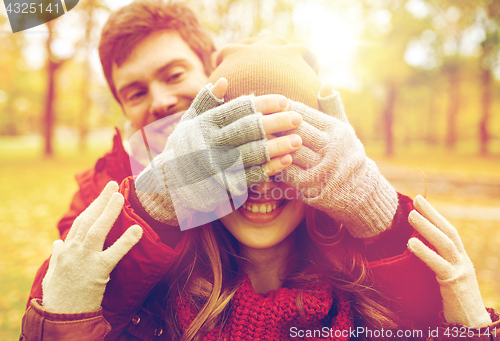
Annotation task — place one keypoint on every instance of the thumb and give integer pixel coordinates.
(326, 90)
(331, 104)
(56, 248)
(206, 99)
(219, 88)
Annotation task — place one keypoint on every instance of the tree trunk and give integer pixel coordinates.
(489, 45)
(453, 106)
(484, 136)
(83, 128)
(388, 119)
(431, 136)
(48, 116)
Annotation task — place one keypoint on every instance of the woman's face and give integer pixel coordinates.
(271, 213)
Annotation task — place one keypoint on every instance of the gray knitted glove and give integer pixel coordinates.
(215, 151)
(334, 175)
(79, 269)
(462, 301)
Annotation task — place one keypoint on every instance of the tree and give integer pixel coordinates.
(53, 64)
(454, 19)
(87, 10)
(452, 71)
(383, 59)
(490, 47)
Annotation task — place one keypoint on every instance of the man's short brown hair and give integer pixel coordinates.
(131, 24)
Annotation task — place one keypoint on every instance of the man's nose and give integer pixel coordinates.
(164, 101)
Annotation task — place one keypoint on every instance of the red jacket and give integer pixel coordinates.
(399, 274)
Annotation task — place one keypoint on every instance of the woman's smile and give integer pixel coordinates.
(262, 212)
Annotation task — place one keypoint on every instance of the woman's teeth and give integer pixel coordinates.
(260, 208)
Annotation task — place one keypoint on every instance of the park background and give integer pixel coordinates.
(419, 80)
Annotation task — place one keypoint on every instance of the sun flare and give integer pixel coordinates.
(333, 36)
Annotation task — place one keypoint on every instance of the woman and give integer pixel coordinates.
(292, 261)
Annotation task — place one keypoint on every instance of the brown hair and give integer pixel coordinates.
(208, 273)
(131, 24)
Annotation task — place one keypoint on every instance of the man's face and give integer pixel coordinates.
(161, 77)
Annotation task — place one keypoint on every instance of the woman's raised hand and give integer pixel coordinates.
(275, 120)
(79, 268)
(333, 173)
(455, 273)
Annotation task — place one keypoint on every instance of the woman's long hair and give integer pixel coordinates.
(209, 271)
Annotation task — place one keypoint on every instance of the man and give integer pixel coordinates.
(156, 57)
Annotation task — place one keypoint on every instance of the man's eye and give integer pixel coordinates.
(175, 77)
(136, 95)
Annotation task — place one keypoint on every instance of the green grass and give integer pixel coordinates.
(36, 192)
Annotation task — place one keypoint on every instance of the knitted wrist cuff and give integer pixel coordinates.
(371, 204)
(152, 192)
(377, 213)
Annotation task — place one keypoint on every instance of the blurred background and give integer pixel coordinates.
(419, 80)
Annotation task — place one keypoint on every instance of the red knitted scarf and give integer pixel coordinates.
(274, 316)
